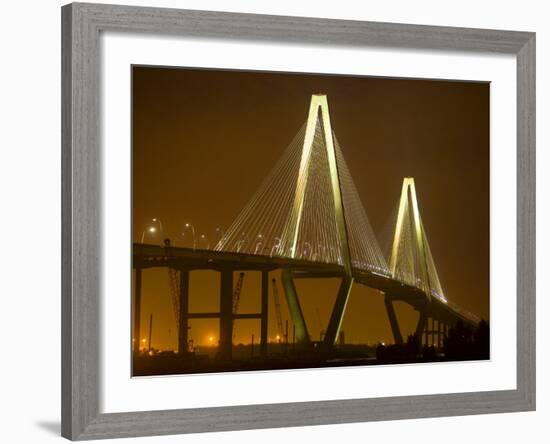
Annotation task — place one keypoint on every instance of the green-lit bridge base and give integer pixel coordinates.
(297, 316)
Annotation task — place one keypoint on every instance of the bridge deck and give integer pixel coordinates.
(150, 256)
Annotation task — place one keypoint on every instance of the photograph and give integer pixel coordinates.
(285, 220)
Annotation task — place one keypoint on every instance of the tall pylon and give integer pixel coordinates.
(298, 210)
(318, 118)
(411, 259)
(309, 209)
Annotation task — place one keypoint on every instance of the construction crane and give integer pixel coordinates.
(237, 296)
(174, 284)
(280, 330)
(237, 293)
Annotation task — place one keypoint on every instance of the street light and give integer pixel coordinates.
(276, 246)
(189, 226)
(152, 229)
(307, 249)
(158, 221)
(242, 241)
(259, 244)
(203, 242)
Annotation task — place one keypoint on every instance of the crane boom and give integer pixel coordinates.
(237, 293)
(174, 284)
(280, 330)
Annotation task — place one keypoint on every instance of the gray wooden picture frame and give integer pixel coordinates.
(81, 175)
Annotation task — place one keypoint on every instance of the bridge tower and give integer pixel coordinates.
(318, 118)
(407, 202)
(411, 260)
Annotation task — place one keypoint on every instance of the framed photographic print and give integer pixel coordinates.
(279, 221)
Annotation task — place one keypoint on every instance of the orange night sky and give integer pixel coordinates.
(203, 141)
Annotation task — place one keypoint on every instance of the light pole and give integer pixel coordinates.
(189, 226)
(158, 221)
(152, 229)
(307, 250)
(203, 242)
(275, 246)
(259, 244)
(242, 241)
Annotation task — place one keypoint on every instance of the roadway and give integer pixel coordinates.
(149, 256)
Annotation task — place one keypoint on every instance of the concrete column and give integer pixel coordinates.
(294, 307)
(150, 331)
(183, 327)
(137, 311)
(420, 327)
(226, 314)
(338, 310)
(264, 318)
(398, 339)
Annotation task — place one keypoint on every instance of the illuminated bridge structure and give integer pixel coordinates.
(307, 220)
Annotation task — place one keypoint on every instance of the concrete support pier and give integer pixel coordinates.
(294, 307)
(338, 311)
(226, 315)
(183, 327)
(398, 339)
(420, 327)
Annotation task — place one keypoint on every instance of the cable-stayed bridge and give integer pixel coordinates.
(307, 219)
